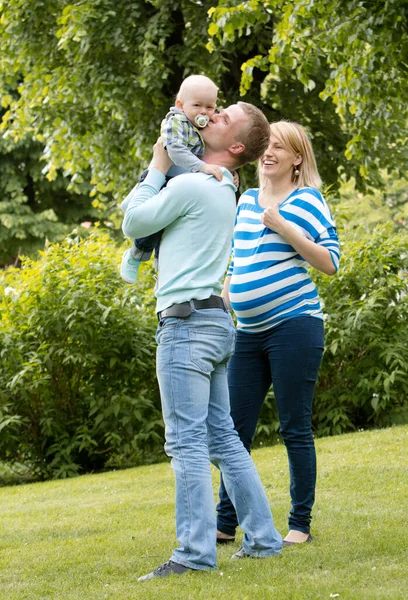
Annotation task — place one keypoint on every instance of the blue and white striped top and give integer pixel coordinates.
(269, 279)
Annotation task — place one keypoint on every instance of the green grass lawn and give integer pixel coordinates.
(92, 536)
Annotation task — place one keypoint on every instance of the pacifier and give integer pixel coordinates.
(201, 120)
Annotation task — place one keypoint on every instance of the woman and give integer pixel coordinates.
(281, 228)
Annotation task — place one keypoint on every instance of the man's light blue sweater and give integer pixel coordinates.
(197, 213)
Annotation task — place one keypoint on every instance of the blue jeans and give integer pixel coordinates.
(192, 358)
(288, 355)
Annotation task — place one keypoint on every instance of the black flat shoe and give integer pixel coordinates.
(287, 543)
(225, 540)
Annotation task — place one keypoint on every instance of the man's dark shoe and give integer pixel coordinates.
(169, 568)
(241, 554)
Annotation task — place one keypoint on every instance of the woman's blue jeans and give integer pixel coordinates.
(192, 358)
(288, 356)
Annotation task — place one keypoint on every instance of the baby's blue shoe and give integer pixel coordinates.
(129, 268)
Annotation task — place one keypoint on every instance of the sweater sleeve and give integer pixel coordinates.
(148, 210)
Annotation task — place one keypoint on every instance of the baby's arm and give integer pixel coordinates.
(212, 170)
(182, 157)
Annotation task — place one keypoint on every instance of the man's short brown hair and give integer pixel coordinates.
(255, 136)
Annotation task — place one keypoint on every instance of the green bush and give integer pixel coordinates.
(78, 389)
(77, 370)
(363, 380)
(364, 376)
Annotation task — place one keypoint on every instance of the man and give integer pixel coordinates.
(196, 337)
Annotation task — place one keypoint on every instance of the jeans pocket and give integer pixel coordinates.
(208, 347)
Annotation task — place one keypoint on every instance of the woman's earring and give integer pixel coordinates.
(297, 172)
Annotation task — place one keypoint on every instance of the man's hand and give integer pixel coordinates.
(212, 170)
(161, 160)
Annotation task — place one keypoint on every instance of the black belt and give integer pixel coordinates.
(185, 309)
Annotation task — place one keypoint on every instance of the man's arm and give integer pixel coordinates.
(147, 210)
(150, 210)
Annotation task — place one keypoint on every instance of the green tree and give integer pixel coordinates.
(353, 55)
(83, 86)
(31, 208)
(94, 79)
(88, 82)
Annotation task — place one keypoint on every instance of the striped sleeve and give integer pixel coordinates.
(309, 213)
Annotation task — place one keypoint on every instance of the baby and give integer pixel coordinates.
(195, 104)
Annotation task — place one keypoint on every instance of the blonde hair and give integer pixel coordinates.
(294, 138)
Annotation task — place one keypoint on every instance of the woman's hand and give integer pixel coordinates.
(317, 256)
(274, 220)
(225, 293)
(161, 160)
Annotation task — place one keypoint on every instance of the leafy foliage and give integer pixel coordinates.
(354, 54)
(77, 368)
(33, 209)
(95, 78)
(92, 81)
(388, 205)
(363, 379)
(84, 86)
